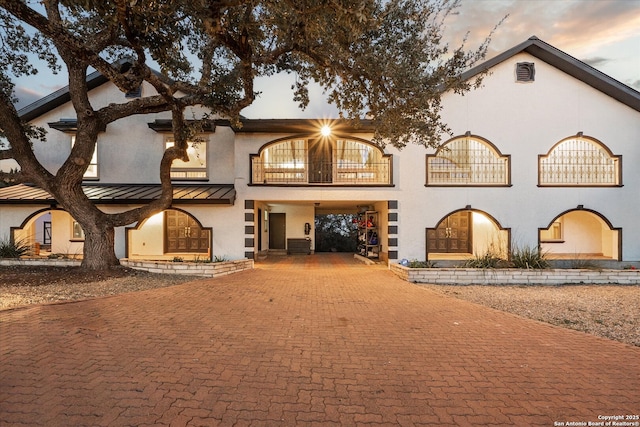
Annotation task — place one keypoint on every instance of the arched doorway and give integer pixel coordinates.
(465, 233)
(171, 234)
(51, 231)
(581, 233)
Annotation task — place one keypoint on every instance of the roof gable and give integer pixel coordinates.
(567, 64)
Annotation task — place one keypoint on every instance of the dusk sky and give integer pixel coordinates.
(603, 33)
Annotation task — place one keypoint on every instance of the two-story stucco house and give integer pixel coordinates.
(536, 158)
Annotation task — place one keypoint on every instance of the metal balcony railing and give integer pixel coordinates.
(311, 173)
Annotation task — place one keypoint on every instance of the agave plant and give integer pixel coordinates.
(529, 258)
(13, 248)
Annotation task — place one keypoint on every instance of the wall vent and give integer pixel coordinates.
(525, 72)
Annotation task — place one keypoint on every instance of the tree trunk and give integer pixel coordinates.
(99, 247)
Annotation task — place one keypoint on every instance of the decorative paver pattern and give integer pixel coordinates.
(305, 340)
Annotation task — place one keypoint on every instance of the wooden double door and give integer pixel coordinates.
(184, 234)
(453, 235)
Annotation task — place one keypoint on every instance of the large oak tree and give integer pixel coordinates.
(380, 59)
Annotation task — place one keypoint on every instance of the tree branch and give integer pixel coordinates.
(62, 37)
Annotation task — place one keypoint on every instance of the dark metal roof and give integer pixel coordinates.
(212, 194)
(568, 64)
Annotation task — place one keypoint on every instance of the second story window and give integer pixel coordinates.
(468, 161)
(196, 167)
(92, 170)
(579, 161)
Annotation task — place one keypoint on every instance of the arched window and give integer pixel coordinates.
(282, 161)
(310, 161)
(468, 160)
(579, 161)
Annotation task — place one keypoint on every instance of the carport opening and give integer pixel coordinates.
(336, 232)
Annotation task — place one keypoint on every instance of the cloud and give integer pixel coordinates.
(26, 95)
(596, 61)
(580, 27)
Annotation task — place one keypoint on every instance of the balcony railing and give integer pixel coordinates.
(336, 173)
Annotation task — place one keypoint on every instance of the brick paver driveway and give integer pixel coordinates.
(308, 340)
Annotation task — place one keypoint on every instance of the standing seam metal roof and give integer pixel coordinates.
(213, 194)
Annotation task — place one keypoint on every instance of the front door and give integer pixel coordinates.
(277, 231)
(453, 234)
(184, 234)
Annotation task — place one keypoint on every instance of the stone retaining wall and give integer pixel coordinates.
(203, 269)
(62, 262)
(513, 276)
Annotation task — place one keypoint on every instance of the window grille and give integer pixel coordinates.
(579, 161)
(357, 162)
(467, 161)
(283, 162)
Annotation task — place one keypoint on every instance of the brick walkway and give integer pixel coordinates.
(306, 340)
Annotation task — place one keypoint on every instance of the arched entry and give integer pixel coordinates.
(581, 233)
(51, 231)
(465, 233)
(169, 234)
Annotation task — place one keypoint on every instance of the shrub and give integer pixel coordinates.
(13, 249)
(218, 258)
(486, 260)
(414, 263)
(529, 258)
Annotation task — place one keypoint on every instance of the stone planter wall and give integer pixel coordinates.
(59, 262)
(513, 276)
(203, 269)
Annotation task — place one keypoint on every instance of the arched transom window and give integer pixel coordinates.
(321, 161)
(579, 161)
(468, 160)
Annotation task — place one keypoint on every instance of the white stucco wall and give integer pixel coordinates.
(525, 120)
(129, 151)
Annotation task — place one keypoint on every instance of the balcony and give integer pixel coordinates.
(321, 173)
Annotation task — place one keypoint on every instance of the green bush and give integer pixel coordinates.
(414, 263)
(529, 258)
(486, 260)
(13, 249)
